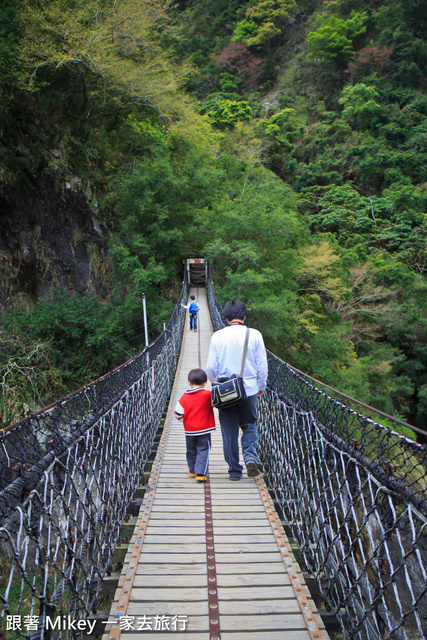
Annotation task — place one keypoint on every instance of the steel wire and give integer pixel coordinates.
(68, 475)
(352, 494)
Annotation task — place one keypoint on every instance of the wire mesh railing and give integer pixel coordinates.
(67, 476)
(354, 496)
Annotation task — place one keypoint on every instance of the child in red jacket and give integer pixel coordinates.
(196, 409)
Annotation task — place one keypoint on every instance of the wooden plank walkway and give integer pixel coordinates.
(208, 560)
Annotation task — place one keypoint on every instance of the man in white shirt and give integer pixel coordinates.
(224, 360)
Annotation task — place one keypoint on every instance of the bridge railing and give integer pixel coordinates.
(68, 474)
(353, 494)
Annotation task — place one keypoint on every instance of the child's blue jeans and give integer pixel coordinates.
(198, 448)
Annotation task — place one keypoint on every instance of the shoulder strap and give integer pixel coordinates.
(245, 350)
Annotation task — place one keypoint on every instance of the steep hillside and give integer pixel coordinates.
(336, 96)
(285, 140)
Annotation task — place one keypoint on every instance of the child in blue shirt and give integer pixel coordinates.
(193, 308)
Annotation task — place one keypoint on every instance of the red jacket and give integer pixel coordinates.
(196, 408)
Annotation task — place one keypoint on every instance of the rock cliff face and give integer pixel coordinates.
(49, 237)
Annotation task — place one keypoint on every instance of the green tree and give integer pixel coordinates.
(251, 235)
(9, 37)
(52, 349)
(345, 212)
(154, 206)
(284, 129)
(264, 21)
(27, 375)
(360, 107)
(113, 42)
(333, 37)
(223, 112)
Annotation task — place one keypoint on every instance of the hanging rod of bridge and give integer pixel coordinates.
(353, 496)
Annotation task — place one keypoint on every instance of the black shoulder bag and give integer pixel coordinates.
(231, 391)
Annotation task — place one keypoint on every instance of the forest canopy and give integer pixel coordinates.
(284, 140)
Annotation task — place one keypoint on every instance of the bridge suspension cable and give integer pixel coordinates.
(353, 495)
(67, 476)
(351, 492)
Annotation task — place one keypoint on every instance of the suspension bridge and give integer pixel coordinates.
(96, 508)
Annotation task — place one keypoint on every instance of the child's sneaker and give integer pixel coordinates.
(201, 478)
(191, 475)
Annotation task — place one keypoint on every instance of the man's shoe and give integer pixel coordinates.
(201, 478)
(252, 469)
(235, 477)
(191, 475)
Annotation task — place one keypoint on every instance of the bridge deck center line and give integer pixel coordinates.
(214, 600)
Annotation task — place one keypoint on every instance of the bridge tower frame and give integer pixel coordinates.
(197, 271)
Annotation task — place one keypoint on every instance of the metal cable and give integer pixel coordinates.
(354, 496)
(352, 492)
(67, 476)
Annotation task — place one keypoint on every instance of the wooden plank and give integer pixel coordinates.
(172, 569)
(239, 538)
(183, 558)
(231, 515)
(165, 515)
(174, 523)
(188, 540)
(150, 578)
(174, 508)
(179, 529)
(181, 594)
(247, 607)
(239, 505)
(253, 579)
(240, 527)
(167, 636)
(231, 494)
(191, 538)
(172, 549)
(239, 548)
(259, 622)
(176, 469)
(259, 593)
(175, 493)
(230, 508)
(169, 480)
(245, 558)
(189, 501)
(223, 568)
(170, 581)
(283, 634)
(197, 608)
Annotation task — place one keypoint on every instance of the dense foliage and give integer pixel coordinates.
(286, 140)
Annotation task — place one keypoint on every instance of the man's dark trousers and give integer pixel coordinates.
(242, 415)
